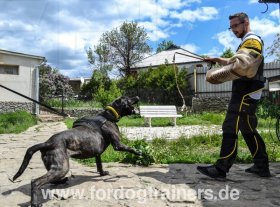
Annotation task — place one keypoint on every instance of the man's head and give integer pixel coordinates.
(239, 24)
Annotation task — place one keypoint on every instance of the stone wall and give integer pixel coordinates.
(16, 106)
(210, 104)
(80, 112)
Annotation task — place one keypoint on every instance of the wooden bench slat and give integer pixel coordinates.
(162, 116)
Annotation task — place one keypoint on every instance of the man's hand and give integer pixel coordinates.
(210, 60)
(219, 60)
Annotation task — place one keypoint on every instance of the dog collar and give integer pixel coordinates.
(114, 111)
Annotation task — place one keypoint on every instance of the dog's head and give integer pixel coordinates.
(123, 106)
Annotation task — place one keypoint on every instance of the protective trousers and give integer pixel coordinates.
(241, 116)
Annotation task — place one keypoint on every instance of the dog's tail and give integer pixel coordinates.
(28, 155)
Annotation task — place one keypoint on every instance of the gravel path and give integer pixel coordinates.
(149, 133)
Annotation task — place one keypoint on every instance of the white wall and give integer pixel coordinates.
(23, 83)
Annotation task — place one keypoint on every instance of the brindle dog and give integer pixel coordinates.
(88, 138)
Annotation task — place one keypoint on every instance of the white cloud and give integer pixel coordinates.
(253, 1)
(155, 35)
(190, 47)
(275, 13)
(82, 72)
(17, 25)
(65, 2)
(214, 52)
(127, 9)
(264, 27)
(200, 14)
(177, 4)
(226, 39)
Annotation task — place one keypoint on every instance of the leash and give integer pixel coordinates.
(195, 57)
(178, 88)
(176, 77)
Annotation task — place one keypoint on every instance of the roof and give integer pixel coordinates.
(21, 54)
(167, 55)
(274, 78)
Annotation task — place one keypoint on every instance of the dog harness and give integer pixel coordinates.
(94, 123)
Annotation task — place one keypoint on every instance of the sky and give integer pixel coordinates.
(62, 30)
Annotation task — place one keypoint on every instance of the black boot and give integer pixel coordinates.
(213, 172)
(262, 172)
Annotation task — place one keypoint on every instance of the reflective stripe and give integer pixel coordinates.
(231, 152)
(242, 102)
(257, 146)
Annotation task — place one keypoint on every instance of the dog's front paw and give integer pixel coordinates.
(138, 152)
(36, 205)
(104, 173)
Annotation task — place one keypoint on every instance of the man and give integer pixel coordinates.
(245, 69)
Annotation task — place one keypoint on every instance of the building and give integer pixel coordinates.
(77, 83)
(19, 72)
(182, 58)
(274, 89)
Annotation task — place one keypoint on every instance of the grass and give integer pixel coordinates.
(16, 122)
(198, 149)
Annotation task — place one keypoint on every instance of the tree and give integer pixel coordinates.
(126, 46)
(227, 53)
(52, 83)
(99, 58)
(164, 45)
(274, 49)
(91, 88)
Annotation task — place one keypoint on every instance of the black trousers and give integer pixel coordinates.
(241, 117)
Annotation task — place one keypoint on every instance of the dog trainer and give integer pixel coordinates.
(245, 70)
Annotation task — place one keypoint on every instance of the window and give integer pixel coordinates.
(9, 69)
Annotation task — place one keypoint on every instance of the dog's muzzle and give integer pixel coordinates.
(134, 101)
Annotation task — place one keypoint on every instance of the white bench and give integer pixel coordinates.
(149, 112)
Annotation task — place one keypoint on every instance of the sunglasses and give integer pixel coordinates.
(234, 26)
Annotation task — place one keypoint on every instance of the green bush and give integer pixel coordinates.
(267, 109)
(16, 122)
(97, 80)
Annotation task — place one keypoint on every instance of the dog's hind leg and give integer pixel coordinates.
(99, 166)
(51, 158)
(57, 164)
(52, 175)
